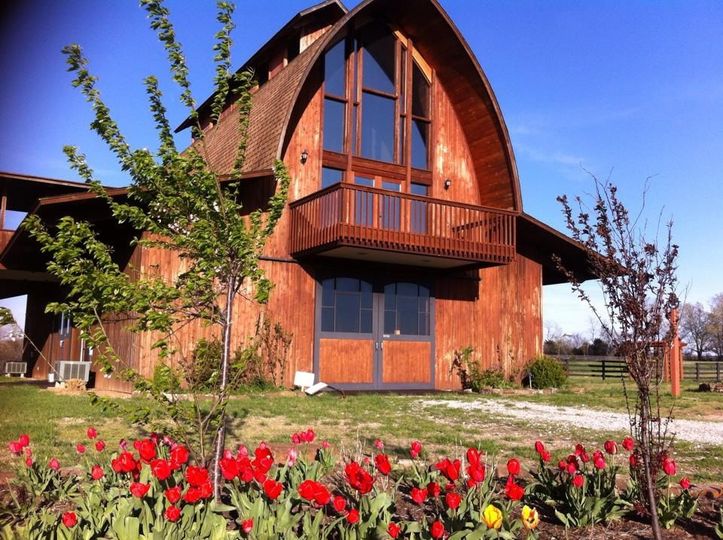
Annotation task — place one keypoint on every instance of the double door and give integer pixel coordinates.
(374, 334)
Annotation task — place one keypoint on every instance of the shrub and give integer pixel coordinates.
(546, 372)
(472, 375)
(164, 379)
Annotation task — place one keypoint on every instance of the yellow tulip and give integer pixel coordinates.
(492, 517)
(530, 517)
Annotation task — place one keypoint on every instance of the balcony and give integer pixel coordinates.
(359, 222)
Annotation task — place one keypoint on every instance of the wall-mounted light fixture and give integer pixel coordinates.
(447, 183)
(304, 155)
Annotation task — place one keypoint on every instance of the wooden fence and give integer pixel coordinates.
(608, 367)
(604, 367)
(703, 371)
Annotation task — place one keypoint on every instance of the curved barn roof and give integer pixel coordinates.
(276, 103)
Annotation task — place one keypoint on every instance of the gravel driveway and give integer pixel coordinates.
(686, 430)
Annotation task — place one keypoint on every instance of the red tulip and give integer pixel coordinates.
(394, 530)
(382, 463)
(358, 478)
(247, 526)
(69, 519)
(415, 448)
(684, 482)
(173, 495)
(437, 529)
(205, 490)
(15, 447)
(192, 495)
(196, 476)
(578, 480)
(450, 469)
(476, 473)
(161, 469)
(669, 467)
(513, 467)
(99, 446)
(273, 489)
(24, 440)
(599, 463)
(97, 472)
(339, 503)
(628, 444)
(453, 500)
(173, 513)
(474, 456)
(514, 491)
(353, 516)
(54, 464)
(229, 468)
(138, 489)
(418, 495)
(433, 489)
(179, 456)
(91, 433)
(539, 447)
(146, 449)
(611, 447)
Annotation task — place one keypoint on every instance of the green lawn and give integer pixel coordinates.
(56, 422)
(599, 394)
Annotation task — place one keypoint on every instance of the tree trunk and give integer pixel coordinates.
(645, 446)
(225, 361)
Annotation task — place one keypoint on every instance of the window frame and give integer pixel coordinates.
(406, 60)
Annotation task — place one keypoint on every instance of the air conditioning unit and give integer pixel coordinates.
(73, 370)
(16, 368)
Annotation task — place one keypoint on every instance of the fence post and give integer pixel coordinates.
(717, 371)
(603, 369)
(697, 372)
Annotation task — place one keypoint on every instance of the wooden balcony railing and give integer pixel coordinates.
(363, 217)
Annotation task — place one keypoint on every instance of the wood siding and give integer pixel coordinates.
(500, 315)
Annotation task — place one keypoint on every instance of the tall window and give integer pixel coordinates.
(377, 108)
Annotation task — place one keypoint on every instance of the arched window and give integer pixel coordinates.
(377, 112)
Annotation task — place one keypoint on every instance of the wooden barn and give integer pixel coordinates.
(404, 238)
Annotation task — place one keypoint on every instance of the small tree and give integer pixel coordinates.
(715, 325)
(176, 202)
(638, 281)
(695, 327)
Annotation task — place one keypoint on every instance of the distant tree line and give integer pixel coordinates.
(577, 345)
(702, 328)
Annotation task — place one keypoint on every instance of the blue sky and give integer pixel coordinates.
(631, 90)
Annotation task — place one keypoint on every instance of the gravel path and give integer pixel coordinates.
(687, 430)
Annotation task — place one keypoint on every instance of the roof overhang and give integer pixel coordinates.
(23, 190)
(540, 242)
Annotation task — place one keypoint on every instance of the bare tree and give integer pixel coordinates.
(715, 325)
(638, 281)
(695, 327)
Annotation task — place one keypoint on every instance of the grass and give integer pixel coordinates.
(56, 422)
(609, 395)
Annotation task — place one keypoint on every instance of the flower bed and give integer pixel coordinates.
(153, 489)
